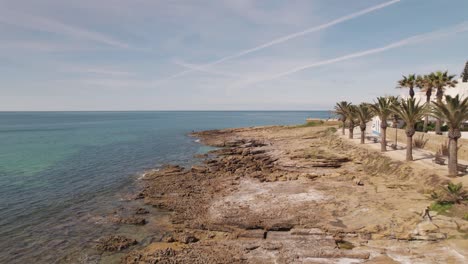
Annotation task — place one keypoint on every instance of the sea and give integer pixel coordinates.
(63, 173)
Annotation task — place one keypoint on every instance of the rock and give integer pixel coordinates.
(257, 151)
(424, 228)
(430, 237)
(250, 247)
(114, 243)
(187, 238)
(158, 256)
(169, 239)
(255, 233)
(463, 225)
(198, 169)
(272, 246)
(140, 211)
(139, 196)
(382, 260)
(132, 220)
(358, 182)
(306, 232)
(172, 169)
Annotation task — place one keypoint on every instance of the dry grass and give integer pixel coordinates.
(420, 142)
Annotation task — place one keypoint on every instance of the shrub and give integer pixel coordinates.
(456, 192)
(312, 123)
(331, 130)
(452, 193)
(420, 142)
(419, 126)
(440, 208)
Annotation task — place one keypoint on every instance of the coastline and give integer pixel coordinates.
(296, 194)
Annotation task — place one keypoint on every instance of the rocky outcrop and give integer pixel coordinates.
(114, 243)
(280, 195)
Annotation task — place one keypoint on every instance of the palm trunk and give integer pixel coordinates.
(350, 129)
(454, 135)
(411, 92)
(344, 127)
(409, 148)
(438, 121)
(383, 139)
(363, 133)
(409, 141)
(453, 157)
(426, 119)
(395, 125)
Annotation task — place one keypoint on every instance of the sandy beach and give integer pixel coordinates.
(298, 195)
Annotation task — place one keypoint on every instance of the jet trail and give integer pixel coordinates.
(291, 36)
(463, 27)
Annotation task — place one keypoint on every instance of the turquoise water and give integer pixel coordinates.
(59, 170)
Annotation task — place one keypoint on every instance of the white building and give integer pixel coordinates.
(461, 89)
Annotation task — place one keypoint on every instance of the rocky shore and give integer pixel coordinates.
(294, 195)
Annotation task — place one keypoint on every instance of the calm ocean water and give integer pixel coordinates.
(61, 171)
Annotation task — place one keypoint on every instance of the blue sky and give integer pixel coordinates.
(220, 55)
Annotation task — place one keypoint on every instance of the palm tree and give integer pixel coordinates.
(441, 81)
(411, 112)
(352, 119)
(455, 112)
(364, 114)
(426, 84)
(382, 109)
(341, 109)
(408, 82)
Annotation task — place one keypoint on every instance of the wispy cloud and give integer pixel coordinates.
(289, 37)
(95, 70)
(460, 28)
(44, 24)
(198, 68)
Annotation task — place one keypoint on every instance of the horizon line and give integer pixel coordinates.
(188, 110)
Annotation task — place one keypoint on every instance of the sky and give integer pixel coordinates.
(63, 55)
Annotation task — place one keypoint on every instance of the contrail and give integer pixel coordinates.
(414, 39)
(291, 36)
(198, 68)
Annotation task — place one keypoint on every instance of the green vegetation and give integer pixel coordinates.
(313, 123)
(382, 108)
(410, 111)
(452, 111)
(341, 110)
(452, 193)
(408, 82)
(441, 81)
(364, 114)
(440, 208)
(331, 130)
(455, 112)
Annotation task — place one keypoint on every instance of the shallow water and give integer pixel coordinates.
(61, 172)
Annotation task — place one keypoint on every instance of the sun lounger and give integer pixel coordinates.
(462, 168)
(439, 160)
